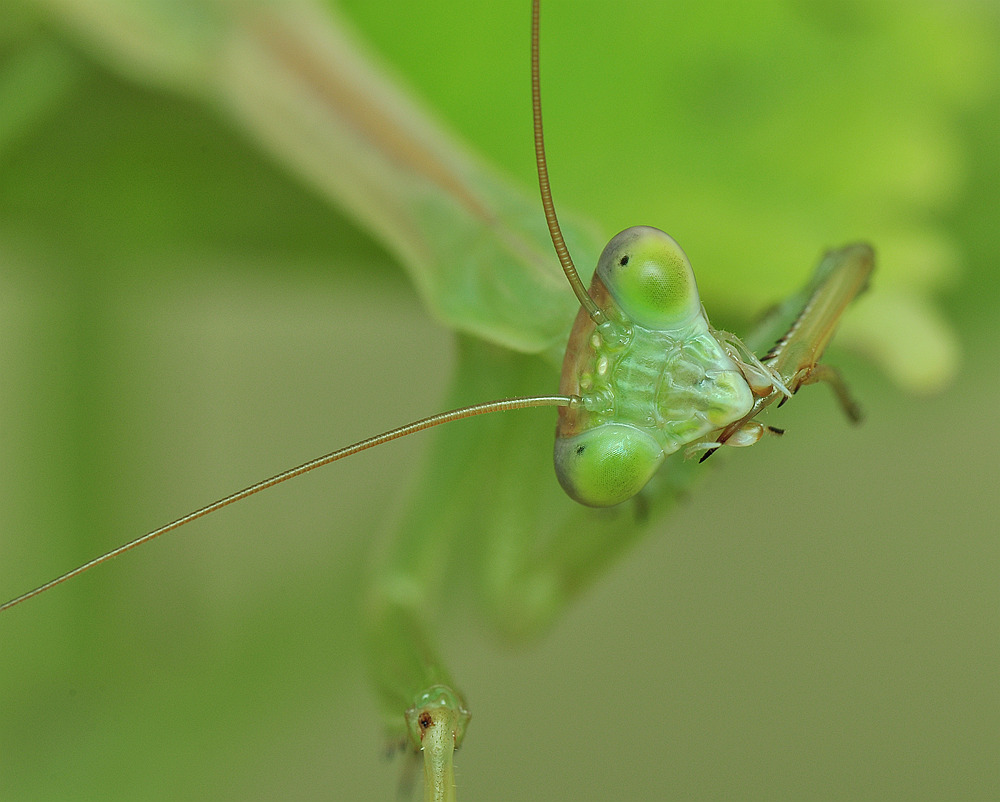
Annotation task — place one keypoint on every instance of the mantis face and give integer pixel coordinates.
(667, 381)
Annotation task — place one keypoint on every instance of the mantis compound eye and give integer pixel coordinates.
(606, 465)
(650, 277)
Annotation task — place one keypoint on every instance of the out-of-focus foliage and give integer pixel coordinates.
(854, 108)
(756, 134)
(181, 313)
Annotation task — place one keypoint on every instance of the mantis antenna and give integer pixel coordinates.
(586, 301)
(502, 405)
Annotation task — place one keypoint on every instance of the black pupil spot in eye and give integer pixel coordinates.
(580, 450)
(623, 261)
(425, 721)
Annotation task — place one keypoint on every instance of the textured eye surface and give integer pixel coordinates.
(650, 277)
(606, 465)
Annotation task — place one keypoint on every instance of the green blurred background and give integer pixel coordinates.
(179, 317)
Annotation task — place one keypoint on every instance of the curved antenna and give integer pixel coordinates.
(543, 182)
(370, 442)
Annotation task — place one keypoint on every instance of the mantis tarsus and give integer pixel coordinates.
(845, 274)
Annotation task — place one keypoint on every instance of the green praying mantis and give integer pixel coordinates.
(643, 302)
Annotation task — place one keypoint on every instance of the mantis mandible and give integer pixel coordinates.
(622, 410)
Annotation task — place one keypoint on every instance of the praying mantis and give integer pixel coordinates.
(589, 563)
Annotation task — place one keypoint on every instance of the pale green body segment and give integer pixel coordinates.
(664, 383)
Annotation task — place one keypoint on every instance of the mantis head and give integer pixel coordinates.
(643, 279)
